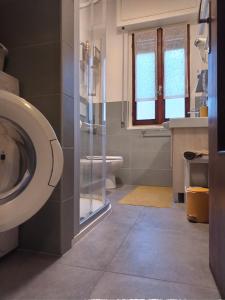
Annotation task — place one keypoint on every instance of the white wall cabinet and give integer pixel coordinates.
(134, 14)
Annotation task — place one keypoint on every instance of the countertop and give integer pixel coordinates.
(186, 123)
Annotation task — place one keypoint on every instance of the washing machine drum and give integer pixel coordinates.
(31, 160)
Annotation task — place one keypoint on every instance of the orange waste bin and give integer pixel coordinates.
(197, 204)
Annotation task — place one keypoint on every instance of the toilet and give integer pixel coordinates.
(113, 164)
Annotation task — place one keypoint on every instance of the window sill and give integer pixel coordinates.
(151, 130)
(146, 127)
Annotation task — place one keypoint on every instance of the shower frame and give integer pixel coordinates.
(80, 226)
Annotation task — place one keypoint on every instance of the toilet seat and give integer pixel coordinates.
(45, 165)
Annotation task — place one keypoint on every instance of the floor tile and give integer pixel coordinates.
(116, 286)
(145, 252)
(98, 247)
(124, 214)
(171, 219)
(115, 195)
(166, 255)
(27, 276)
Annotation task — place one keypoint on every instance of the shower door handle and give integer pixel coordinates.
(91, 78)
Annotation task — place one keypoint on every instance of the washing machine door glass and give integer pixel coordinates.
(17, 160)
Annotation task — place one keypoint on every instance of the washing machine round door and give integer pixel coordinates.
(31, 160)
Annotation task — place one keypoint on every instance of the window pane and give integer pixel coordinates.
(146, 110)
(145, 76)
(175, 108)
(174, 73)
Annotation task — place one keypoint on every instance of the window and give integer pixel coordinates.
(160, 77)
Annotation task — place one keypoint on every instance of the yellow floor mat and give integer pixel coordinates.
(149, 196)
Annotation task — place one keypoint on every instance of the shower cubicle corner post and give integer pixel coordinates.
(103, 93)
(76, 117)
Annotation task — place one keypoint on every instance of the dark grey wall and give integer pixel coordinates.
(40, 38)
(146, 159)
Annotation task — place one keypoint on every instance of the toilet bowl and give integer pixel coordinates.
(113, 164)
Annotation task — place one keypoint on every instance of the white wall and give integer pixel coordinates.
(114, 55)
(136, 9)
(196, 62)
(115, 58)
(137, 14)
(85, 30)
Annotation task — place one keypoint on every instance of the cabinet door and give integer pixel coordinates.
(216, 145)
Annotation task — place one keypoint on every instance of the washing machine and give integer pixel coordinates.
(31, 164)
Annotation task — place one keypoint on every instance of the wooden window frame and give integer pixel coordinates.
(160, 101)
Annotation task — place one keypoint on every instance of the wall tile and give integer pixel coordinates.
(119, 145)
(98, 113)
(68, 175)
(50, 107)
(113, 109)
(67, 31)
(41, 232)
(67, 69)
(154, 144)
(114, 128)
(150, 177)
(36, 22)
(67, 121)
(56, 221)
(98, 140)
(85, 148)
(56, 195)
(124, 176)
(114, 117)
(152, 132)
(67, 222)
(37, 68)
(146, 160)
(143, 159)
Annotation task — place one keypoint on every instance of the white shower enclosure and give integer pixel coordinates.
(92, 133)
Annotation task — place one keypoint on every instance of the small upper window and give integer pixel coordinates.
(160, 74)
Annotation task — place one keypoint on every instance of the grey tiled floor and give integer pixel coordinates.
(135, 252)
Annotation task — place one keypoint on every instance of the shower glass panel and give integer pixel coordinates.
(92, 108)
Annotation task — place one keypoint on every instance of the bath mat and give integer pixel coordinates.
(154, 196)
